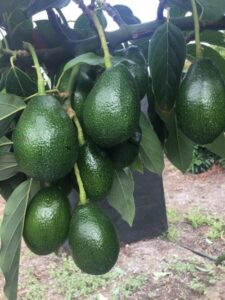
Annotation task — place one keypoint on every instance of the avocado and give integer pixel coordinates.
(82, 88)
(47, 221)
(124, 154)
(96, 171)
(200, 106)
(112, 109)
(93, 240)
(45, 140)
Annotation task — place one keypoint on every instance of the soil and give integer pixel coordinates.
(171, 271)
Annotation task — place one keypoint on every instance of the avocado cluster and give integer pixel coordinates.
(47, 148)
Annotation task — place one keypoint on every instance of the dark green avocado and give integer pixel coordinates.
(124, 154)
(47, 221)
(112, 109)
(83, 87)
(93, 240)
(200, 106)
(96, 171)
(45, 140)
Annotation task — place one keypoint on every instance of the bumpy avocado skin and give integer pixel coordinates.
(96, 171)
(45, 140)
(200, 106)
(93, 240)
(124, 154)
(112, 109)
(47, 221)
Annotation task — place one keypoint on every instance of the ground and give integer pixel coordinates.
(160, 268)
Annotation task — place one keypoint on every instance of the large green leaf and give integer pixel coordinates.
(9, 105)
(213, 37)
(11, 234)
(5, 144)
(167, 52)
(212, 9)
(151, 151)
(218, 146)
(121, 195)
(178, 147)
(209, 52)
(8, 165)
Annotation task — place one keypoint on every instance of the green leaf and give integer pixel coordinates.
(213, 37)
(182, 4)
(83, 23)
(121, 195)
(167, 53)
(218, 146)
(11, 234)
(10, 5)
(5, 125)
(10, 105)
(19, 83)
(178, 148)
(151, 151)
(5, 144)
(137, 165)
(8, 165)
(9, 185)
(212, 9)
(209, 52)
(89, 58)
(126, 14)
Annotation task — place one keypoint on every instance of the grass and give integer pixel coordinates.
(198, 286)
(32, 288)
(174, 216)
(173, 233)
(199, 277)
(217, 226)
(71, 283)
(63, 280)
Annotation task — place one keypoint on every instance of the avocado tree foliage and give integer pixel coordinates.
(157, 55)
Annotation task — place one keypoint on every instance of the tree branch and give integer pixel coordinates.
(125, 33)
(113, 13)
(161, 7)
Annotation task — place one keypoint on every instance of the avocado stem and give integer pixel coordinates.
(197, 30)
(70, 111)
(79, 131)
(102, 37)
(40, 80)
(82, 193)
